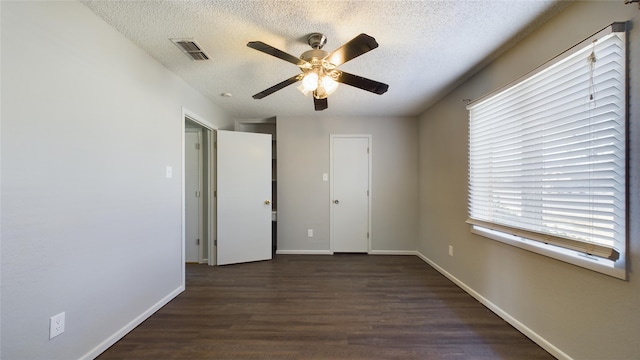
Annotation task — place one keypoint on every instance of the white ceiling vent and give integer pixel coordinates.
(190, 48)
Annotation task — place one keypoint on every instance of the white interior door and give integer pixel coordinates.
(244, 197)
(193, 199)
(350, 185)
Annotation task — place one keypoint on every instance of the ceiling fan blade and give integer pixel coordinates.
(362, 83)
(320, 104)
(278, 86)
(352, 49)
(268, 49)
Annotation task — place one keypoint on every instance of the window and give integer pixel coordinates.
(547, 157)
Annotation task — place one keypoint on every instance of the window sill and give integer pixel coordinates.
(615, 269)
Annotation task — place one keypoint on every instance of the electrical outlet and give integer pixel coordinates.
(309, 232)
(450, 250)
(56, 325)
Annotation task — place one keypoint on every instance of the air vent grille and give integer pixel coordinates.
(191, 49)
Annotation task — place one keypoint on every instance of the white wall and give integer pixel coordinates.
(90, 224)
(303, 198)
(583, 314)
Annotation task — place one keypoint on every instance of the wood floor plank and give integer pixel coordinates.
(323, 307)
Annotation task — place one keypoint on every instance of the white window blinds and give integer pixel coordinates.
(547, 155)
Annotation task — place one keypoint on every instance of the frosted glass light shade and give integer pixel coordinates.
(310, 82)
(329, 84)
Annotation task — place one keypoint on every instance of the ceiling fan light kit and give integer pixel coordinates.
(319, 75)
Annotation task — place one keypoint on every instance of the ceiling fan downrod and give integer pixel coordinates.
(316, 40)
(316, 55)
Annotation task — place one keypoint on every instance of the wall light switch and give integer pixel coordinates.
(325, 177)
(309, 232)
(169, 172)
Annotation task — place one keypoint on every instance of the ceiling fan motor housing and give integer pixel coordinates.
(314, 56)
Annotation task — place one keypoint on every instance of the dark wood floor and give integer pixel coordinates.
(324, 307)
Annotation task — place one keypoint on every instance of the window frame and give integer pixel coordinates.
(615, 268)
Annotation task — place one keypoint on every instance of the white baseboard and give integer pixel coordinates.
(535, 337)
(304, 252)
(130, 326)
(393, 252)
(329, 252)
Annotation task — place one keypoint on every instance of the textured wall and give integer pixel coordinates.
(90, 224)
(584, 314)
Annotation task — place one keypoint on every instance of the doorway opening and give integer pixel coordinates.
(198, 191)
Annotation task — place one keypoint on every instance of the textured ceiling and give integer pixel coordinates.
(426, 47)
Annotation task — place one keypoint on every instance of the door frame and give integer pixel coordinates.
(202, 181)
(331, 187)
(209, 130)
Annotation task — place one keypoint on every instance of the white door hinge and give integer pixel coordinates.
(197, 146)
(197, 193)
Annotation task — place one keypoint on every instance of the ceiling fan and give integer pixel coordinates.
(319, 74)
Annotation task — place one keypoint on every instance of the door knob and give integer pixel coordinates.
(336, 202)
(267, 202)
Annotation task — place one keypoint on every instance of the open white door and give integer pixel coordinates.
(244, 197)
